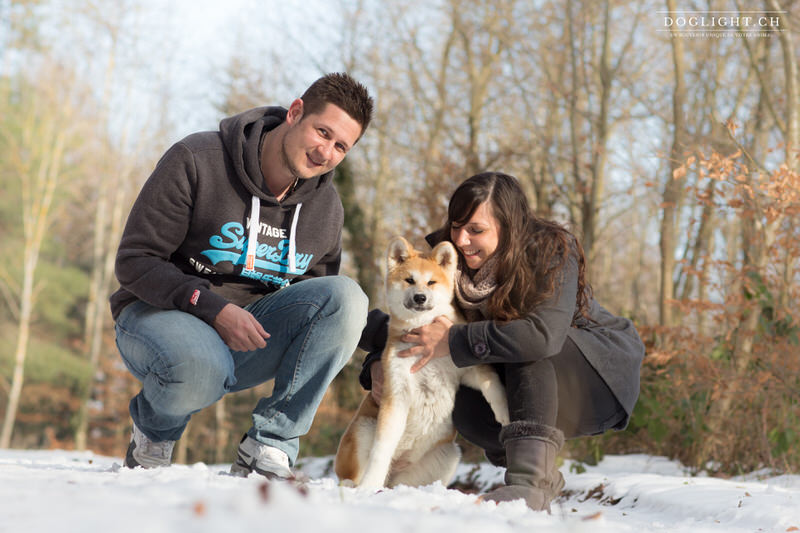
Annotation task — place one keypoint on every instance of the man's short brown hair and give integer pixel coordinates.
(341, 90)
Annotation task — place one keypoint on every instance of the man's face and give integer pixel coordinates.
(316, 143)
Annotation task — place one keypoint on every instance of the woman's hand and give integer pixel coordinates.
(376, 374)
(432, 340)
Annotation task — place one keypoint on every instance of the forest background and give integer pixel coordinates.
(668, 144)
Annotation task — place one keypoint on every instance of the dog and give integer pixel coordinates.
(410, 439)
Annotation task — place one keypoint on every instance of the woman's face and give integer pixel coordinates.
(477, 238)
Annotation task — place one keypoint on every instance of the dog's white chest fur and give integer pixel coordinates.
(430, 396)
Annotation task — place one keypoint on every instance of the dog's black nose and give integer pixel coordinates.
(419, 299)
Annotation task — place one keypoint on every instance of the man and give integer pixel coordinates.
(228, 270)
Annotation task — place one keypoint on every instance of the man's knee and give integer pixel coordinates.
(347, 302)
(194, 383)
(347, 292)
(151, 337)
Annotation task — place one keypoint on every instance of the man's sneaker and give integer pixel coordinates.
(148, 454)
(253, 456)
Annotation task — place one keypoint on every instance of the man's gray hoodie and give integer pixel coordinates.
(185, 244)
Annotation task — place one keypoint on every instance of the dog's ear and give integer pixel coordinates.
(446, 257)
(398, 253)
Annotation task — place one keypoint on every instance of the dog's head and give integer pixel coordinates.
(418, 283)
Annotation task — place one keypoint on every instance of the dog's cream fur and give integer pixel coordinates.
(409, 439)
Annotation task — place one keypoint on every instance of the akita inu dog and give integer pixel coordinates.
(409, 439)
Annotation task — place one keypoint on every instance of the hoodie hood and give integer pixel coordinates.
(241, 135)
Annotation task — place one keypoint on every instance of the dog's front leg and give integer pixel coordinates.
(391, 425)
(486, 380)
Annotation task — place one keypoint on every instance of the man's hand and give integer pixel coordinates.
(376, 373)
(432, 340)
(239, 329)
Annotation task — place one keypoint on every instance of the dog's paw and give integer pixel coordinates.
(502, 417)
(371, 483)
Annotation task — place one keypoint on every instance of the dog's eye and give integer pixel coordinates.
(410, 281)
(432, 282)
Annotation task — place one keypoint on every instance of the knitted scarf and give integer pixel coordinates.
(473, 289)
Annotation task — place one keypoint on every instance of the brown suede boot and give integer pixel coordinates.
(531, 474)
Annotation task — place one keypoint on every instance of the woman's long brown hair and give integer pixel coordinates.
(532, 252)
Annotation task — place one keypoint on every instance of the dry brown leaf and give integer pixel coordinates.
(199, 508)
(263, 491)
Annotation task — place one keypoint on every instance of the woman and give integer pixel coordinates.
(570, 367)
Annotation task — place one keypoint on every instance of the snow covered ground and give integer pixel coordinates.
(54, 491)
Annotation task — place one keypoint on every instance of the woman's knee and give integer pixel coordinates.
(532, 390)
(587, 406)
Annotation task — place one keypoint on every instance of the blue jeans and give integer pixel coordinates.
(184, 365)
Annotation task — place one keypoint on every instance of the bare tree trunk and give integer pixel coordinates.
(21, 352)
(480, 68)
(701, 242)
(355, 222)
(792, 130)
(672, 189)
(592, 197)
(95, 307)
(181, 447)
(221, 434)
(763, 234)
(93, 332)
(98, 309)
(38, 193)
(791, 87)
(578, 180)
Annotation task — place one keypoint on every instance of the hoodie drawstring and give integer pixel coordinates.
(252, 237)
(292, 243)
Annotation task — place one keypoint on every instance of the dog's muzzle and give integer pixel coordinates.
(418, 302)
